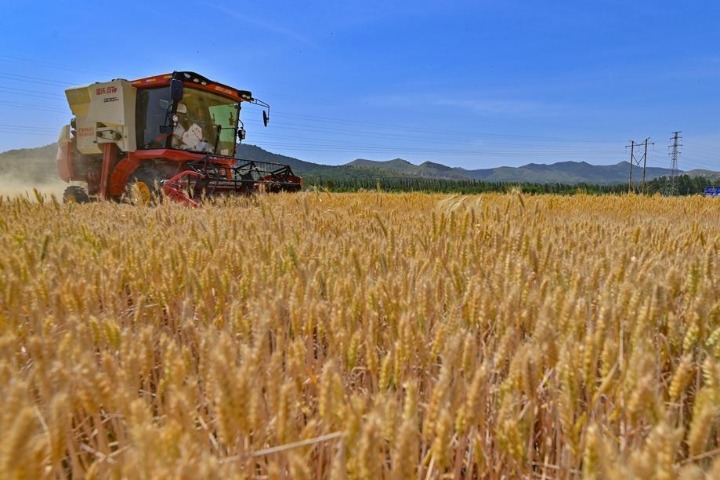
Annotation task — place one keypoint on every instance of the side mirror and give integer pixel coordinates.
(177, 89)
(241, 134)
(266, 117)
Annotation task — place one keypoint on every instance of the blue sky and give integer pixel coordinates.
(473, 84)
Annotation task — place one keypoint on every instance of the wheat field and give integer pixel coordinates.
(361, 336)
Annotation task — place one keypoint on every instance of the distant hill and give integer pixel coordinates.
(303, 168)
(315, 170)
(704, 173)
(37, 165)
(397, 165)
(403, 167)
(561, 172)
(568, 173)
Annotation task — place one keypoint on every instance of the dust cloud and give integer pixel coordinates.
(29, 172)
(15, 187)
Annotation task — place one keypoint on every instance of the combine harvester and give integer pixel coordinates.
(173, 133)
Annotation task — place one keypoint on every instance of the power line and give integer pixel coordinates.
(331, 134)
(32, 93)
(319, 124)
(26, 79)
(59, 66)
(31, 106)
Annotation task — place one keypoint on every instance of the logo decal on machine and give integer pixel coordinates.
(106, 90)
(86, 132)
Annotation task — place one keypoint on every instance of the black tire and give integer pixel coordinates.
(143, 187)
(75, 194)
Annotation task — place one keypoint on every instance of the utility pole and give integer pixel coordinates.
(674, 154)
(636, 161)
(632, 162)
(644, 158)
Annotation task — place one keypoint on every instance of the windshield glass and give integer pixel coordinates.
(198, 116)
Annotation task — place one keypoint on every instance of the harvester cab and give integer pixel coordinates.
(174, 133)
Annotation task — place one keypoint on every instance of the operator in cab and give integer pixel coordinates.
(180, 127)
(188, 136)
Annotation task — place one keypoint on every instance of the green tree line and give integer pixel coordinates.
(685, 185)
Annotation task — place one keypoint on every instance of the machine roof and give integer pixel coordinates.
(194, 80)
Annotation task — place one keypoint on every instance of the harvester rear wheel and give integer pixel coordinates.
(143, 187)
(75, 194)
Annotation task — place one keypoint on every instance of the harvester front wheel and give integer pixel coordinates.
(143, 187)
(75, 194)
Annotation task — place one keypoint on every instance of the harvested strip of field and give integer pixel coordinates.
(369, 335)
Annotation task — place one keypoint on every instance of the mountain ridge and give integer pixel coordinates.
(38, 165)
(559, 172)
